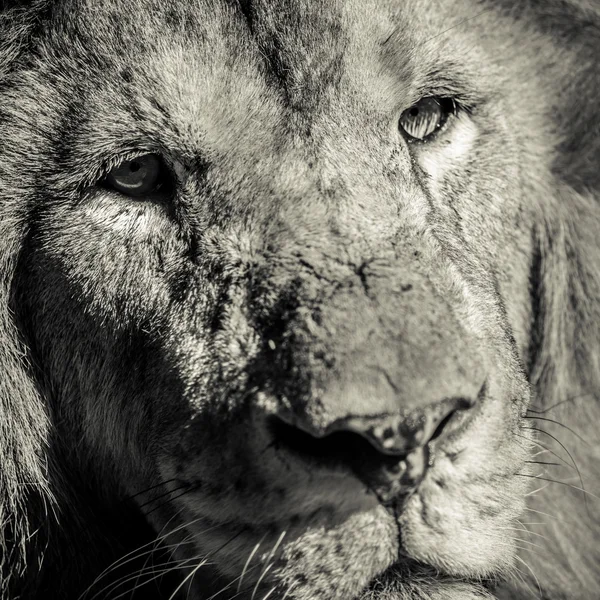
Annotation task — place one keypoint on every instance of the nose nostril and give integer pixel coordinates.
(331, 450)
(447, 414)
(442, 425)
(387, 475)
(388, 451)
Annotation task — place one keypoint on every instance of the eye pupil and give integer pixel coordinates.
(414, 111)
(135, 166)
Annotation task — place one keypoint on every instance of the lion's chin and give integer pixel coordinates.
(444, 529)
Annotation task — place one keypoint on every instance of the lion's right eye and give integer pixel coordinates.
(141, 176)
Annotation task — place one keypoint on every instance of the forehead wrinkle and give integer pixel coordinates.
(302, 44)
(367, 49)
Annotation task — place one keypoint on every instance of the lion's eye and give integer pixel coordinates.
(423, 119)
(138, 177)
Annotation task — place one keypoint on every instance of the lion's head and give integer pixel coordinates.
(290, 293)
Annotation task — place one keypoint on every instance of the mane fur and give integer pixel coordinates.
(24, 425)
(564, 364)
(564, 367)
(46, 527)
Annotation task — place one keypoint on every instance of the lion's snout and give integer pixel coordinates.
(384, 342)
(364, 376)
(389, 452)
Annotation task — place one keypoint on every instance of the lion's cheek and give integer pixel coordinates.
(462, 530)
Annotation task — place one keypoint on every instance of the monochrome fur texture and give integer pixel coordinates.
(306, 261)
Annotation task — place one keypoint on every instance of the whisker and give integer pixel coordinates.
(176, 563)
(572, 460)
(549, 464)
(531, 544)
(156, 571)
(574, 487)
(533, 574)
(172, 491)
(254, 551)
(188, 577)
(511, 542)
(553, 517)
(289, 590)
(544, 537)
(582, 439)
(156, 545)
(541, 554)
(268, 564)
(262, 575)
(190, 488)
(272, 590)
(202, 563)
(515, 573)
(275, 547)
(571, 399)
(129, 577)
(540, 453)
(114, 585)
(226, 587)
(537, 490)
(148, 489)
(544, 449)
(130, 556)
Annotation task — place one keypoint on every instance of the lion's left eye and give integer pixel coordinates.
(425, 118)
(138, 177)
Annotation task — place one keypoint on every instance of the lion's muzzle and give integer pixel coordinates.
(347, 383)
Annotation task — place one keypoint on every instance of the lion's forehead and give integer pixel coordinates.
(270, 99)
(218, 78)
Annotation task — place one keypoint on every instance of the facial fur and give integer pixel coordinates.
(183, 371)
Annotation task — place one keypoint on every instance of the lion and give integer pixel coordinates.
(300, 299)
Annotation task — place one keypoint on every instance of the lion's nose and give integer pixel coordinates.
(389, 452)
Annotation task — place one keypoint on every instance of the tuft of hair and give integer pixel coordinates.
(24, 424)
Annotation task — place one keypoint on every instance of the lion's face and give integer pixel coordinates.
(302, 337)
